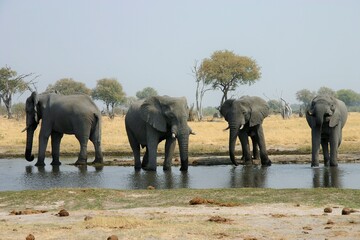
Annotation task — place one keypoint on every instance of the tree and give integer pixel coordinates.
(201, 89)
(349, 97)
(12, 83)
(305, 96)
(110, 91)
(146, 92)
(225, 71)
(68, 86)
(325, 91)
(274, 105)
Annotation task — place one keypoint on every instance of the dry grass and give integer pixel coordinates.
(210, 138)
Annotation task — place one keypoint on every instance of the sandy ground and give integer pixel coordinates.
(275, 221)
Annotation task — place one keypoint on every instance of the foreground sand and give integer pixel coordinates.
(260, 221)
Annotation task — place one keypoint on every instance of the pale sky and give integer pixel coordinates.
(297, 44)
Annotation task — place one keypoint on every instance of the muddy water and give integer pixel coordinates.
(17, 174)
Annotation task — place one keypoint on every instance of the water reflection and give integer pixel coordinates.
(16, 174)
(248, 176)
(164, 180)
(327, 177)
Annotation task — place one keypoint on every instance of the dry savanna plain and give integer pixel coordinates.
(244, 213)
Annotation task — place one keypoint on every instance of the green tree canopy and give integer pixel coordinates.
(349, 97)
(325, 91)
(110, 91)
(305, 96)
(225, 71)
(146, 92)
(69, 86)
(11, 83)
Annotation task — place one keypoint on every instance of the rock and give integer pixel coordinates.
(63, 213)
(30, 237)
(113, 237)
(219, 219)
(88, 218)
(346, 211)
(328, 210)
(330, 222)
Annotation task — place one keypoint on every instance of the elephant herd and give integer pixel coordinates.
(158, 118)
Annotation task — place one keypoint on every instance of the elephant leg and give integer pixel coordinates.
(315, 146)
(82, 158)
(135, 147)
(325, 149)
(55, 147)
(255, 149)
(145, 160)
(98, 152)
(334, 145)
(260, 139)
(152, 139)
(43, 141)
(169, 152)
(244, 140)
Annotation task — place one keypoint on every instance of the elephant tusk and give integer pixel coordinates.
(226, 128)
(24, 129)
(173, 135)
(241, 127)
(193, 133)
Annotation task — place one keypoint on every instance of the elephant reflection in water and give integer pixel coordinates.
(248, 176)
(142, 180)
(327, 177)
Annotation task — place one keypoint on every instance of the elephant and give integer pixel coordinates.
(158, 118)
(245, 117)
(59, 115)
(326, 117)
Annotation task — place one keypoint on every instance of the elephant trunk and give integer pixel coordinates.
(183, 140)
(29, 143)
(234, 128)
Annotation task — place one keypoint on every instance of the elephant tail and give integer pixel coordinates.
(96, 129)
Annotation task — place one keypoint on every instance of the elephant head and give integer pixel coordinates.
(33, 117)
(169, 115)
(323, 109)
(244, 112)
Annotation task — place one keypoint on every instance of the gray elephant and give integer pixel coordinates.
(326, 117)
(245, 117)
(153, 120)
(60, 114)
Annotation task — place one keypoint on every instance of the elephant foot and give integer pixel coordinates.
(55, 163)
(81, 162)
(314, 164)
(137, 169)
(166, 168)
(266, 163)
(333, 164)
(149, 168)
(40, 164)
(98, 161)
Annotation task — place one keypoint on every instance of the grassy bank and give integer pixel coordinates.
(282, 136)
(97, 199)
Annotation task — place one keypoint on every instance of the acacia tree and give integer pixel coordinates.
(12, 83)
(326, 91)
(305, 96)
(349, 97)
(69, 86)
(110, 91)
(225, 71)
(146, 92)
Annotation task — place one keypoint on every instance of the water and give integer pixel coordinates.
(18, 174)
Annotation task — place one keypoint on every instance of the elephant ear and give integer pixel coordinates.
(259, 111)
(151, 112)
(335, 118)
